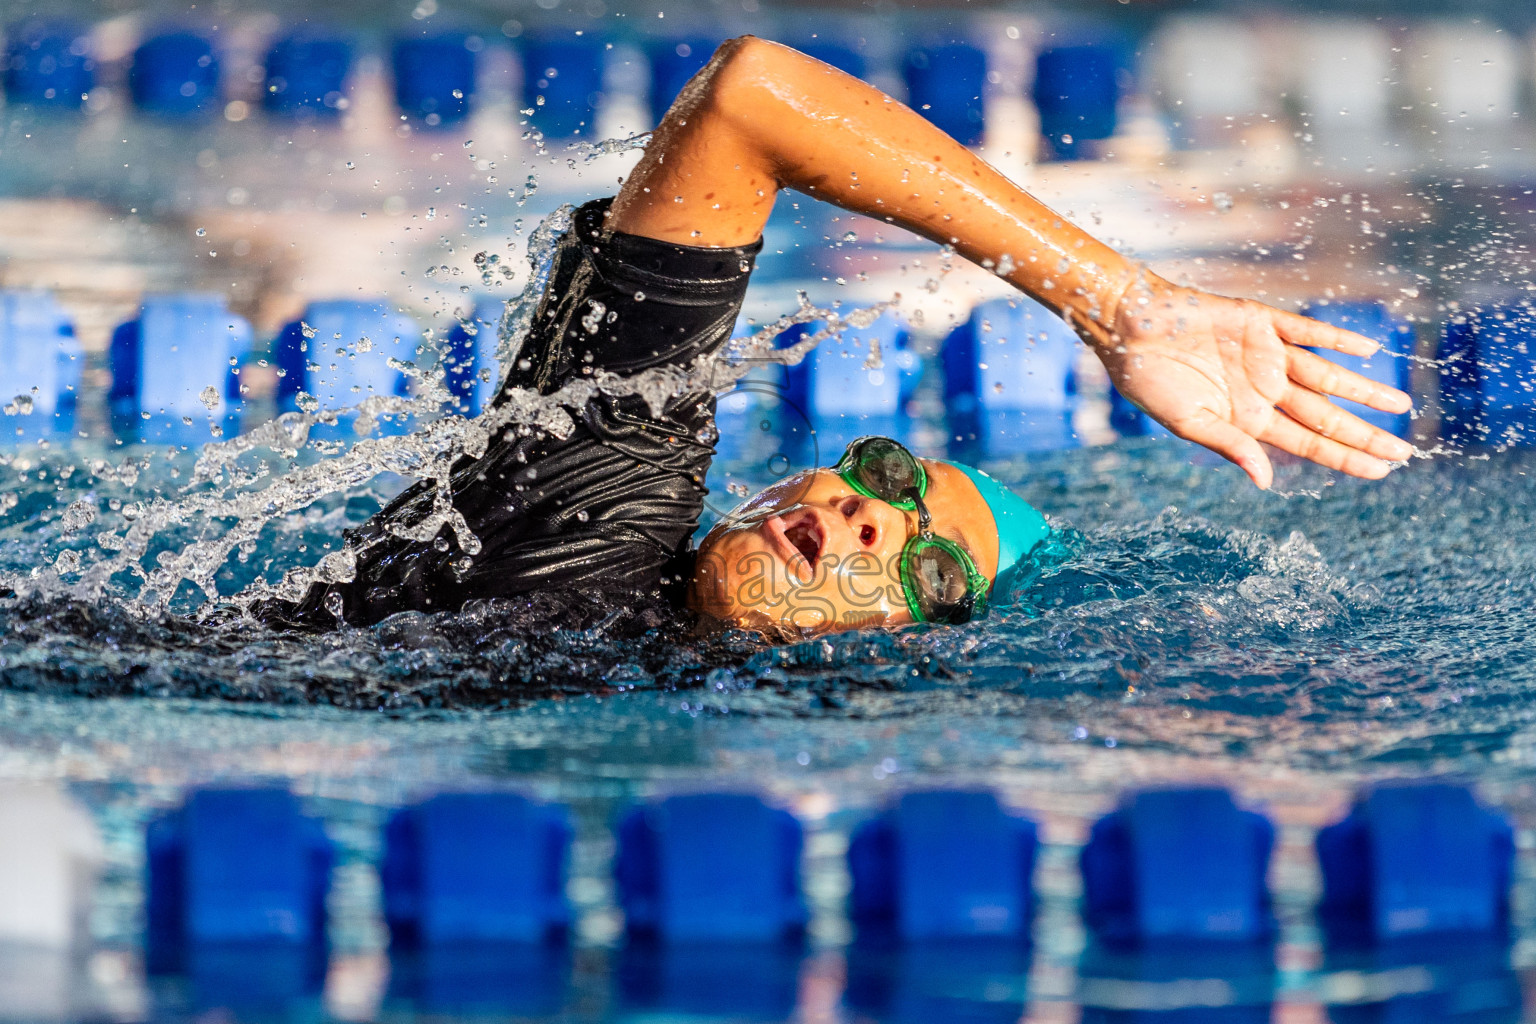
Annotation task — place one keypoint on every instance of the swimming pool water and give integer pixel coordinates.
(1288, 644)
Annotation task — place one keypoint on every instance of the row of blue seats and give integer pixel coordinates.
(177, 364)
(176, 73)
(1167, 866)
(1009, 378)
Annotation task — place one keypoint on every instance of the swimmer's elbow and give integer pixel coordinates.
(740, 72)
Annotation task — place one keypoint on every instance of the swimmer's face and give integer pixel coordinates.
(811, 555)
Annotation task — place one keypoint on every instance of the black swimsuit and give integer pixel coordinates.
(614, 505)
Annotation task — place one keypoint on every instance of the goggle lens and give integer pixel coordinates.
(939, 581)
(886, 470)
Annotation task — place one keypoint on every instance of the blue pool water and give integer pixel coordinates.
(1289, 644)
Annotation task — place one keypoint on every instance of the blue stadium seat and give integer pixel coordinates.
(235, 866)
(965, 981)
(474, 376)
(715, 980)
(175, 74)
(347, 358)
(38, 351)
(945, 84)
(1412, 860)
(48, 64)
(1389, 366)
(1077, 92)
(1178, 864)
(943, 865)
(563, 83)
(673, 62)
(434, 78)
(164, 361)
(1488, 377)
(839, 396)
(711, 867)
(475, 868)
(1009, 380)
(307, 75)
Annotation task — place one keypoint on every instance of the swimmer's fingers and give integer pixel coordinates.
(1208, 429)
(1300, 330)
(1312, 371)
(1288, 435)
(1317, 414)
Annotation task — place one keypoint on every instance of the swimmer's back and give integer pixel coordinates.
(611, 507)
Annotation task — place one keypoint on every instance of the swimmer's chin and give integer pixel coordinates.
(781, 631)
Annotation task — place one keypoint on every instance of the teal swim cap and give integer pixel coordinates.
(1020, 526)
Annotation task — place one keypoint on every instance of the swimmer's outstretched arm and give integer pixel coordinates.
(1226, 373)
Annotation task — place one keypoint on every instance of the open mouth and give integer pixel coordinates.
(800, 538)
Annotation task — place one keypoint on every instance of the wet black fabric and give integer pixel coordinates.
(611, 507)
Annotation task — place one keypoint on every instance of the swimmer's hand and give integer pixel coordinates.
(1229, 373)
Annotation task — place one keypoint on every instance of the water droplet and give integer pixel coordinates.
(201, 232)
(333, 604)
(1222, 202)
(639, 296)
(209, 396)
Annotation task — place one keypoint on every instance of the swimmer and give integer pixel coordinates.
(881, 538)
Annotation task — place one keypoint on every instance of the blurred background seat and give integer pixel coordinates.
(841, 393)
(434, 78)
(943, 865)
(41, 365)
(475, 868)
(307, 75)
(173, 369)
(175, 74)
(946, 84)
(1077, 94)
(1178, 865)
(48, 64)
(339, 352)
(235, 866)
(673, 61)
(1010, 380)
(563, 82)
(712, 868)
(1488, 376)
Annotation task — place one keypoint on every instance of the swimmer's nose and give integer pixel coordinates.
(865, 530)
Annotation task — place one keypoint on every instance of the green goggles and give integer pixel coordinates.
(938, 578)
